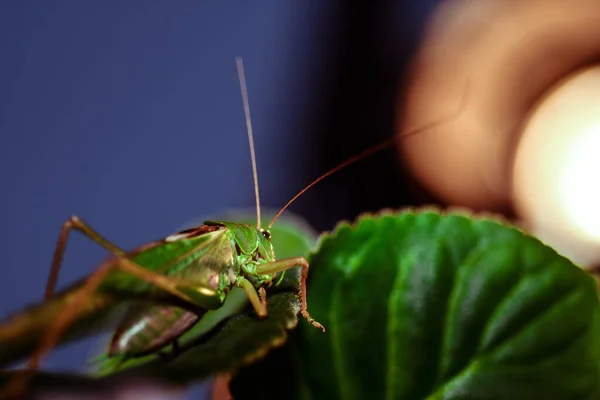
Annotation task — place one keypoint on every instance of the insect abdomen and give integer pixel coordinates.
(149, 329)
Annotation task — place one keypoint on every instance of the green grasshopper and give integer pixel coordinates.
(201, 266)
(198, 266)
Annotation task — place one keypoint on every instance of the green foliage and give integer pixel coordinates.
(417, 305)
(420, 305)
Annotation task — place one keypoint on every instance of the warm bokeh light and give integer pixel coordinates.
(511, 55)
(580, 193)
(556, 183)
(508, 53)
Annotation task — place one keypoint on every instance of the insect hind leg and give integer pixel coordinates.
(86, 291)
(74, 223)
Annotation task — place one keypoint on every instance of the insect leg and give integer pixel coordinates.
(82, 297)
(74, 223)
(175, 351)
(287, 263)
(262, 293)
(260, 305)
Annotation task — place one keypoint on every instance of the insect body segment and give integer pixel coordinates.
(200, 259)
(145, 330)
(221, 255)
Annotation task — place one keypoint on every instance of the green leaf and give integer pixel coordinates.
(218, 345)
(419, 305)
(21, 332)
(238, 341)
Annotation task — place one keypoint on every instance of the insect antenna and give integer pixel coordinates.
(377, 148)
(244, 89)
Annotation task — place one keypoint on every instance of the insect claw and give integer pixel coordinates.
(312, 321)
(317, 325)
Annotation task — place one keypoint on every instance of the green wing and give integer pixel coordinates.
(21, 332)
(192, 255)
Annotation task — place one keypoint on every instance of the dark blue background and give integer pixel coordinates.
(129, 115)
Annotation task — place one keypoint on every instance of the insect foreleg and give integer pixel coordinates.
(259, 304)
(287, 263)
(74, 223)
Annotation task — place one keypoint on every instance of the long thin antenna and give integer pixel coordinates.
(244, 88)
(377, 148)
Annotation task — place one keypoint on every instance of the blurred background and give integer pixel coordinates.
(129, 115)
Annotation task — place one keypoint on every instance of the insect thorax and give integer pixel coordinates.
(246, 266)
(252, 248)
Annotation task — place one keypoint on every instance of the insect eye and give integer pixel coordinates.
(266, 235)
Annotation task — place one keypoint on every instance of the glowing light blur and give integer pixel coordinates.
(511, 53)
(556, 183)
(580, 194)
